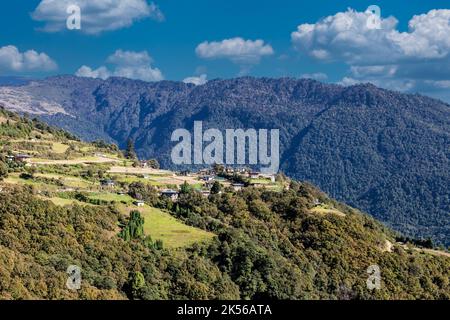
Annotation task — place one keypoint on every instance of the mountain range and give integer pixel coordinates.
(385, 152)
(78, 221)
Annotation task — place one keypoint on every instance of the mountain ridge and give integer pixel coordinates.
(382, 151)
(70, 205)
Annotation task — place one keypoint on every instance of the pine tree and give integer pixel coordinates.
(137, 282)
(185, 188)
(153, 163)
(3, 170)
(130, 152)
(135, 227)
(216, 187)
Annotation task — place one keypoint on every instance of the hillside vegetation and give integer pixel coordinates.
(291, 242)
(384, 152)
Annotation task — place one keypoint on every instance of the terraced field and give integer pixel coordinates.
(161, 225)
(64, 183)
(111, 197)
(81, 160)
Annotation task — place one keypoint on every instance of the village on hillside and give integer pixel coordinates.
(166, 182)
(66, 171)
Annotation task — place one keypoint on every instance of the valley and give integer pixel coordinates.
(383, 152)
(65, 171)
(217, 233)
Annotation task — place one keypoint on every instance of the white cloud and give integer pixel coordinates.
(348, 81)
(346, 36)
(130, 58)
(11, 59)
(145, 73)
(392, 84)
(96, 16)
(198, 81)
(407, 61)
(320, 54)
(238, 50)
(320, 76)
(127, 64)
(87, 72)
(443, 84)
(367, 71)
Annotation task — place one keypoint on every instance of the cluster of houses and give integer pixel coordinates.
(248, 173)
(169, 193)
(107, 183)
(208, 177)
(21, 157)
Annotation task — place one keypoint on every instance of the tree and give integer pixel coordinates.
(153, 163)
(31, 171)
(216, 187)
(218, 168)
(136, 282)
(185, 188)
(3, 170)
(136, 163)
(130, 153)
(141, 191)
(135, 227)
(90, 173)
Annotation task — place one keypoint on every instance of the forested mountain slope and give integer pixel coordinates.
(384, 152)
(291, 243)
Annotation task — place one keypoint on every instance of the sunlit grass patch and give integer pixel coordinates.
(160, 225)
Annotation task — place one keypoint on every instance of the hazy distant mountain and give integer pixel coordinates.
(385, 152)
(14, 80)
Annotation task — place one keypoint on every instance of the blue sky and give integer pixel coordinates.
(168, 48)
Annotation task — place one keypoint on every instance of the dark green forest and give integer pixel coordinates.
(267, 246)
(384, 152)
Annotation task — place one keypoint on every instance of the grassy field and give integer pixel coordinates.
(53, 146)
(59, 147)
(197, 186)
(132, 178)
(14, 178)
(81, 160)
(261, 181)
(64, 202)
(159, 180)
(162, 226)
(87, 149)
(133, 170)
(58, 174)
(68, 181)
(323, 209)
(108, 196)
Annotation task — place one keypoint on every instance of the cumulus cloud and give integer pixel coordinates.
(347, 36)
(198, 81)
(393, 84)
(320, 76)
(87, 72)
(238, 50)
(130, 58)
(96, 16)
(386, 56)
(11, 59)
(127, 64)
(443, 84)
